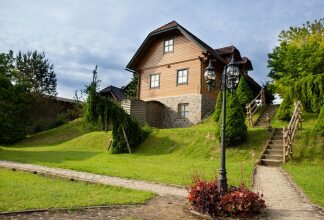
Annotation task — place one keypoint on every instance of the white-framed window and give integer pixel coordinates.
(168, 46)
(183, 110)
(154, 81)
(182, 76)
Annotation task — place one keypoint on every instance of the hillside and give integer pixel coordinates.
(167, 155)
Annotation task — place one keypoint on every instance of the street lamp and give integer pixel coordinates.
(229, 81)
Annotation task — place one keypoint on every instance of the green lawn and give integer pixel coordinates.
(307, 166)
(23, 191)
(168, 155)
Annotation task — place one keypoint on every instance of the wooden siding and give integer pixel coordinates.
(168, 80)
(185, 55)
(183, 49)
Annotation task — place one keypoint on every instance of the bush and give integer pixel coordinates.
(285, 109)
(218, 107)
(320, 122)
(243, 92)
(236, 129)
(236, 202)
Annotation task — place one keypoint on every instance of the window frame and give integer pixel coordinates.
(183, 83)
(186, 111)
(164, 46)
(150, 85)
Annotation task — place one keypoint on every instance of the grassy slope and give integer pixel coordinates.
(307, 166)
(167, 155)
(21, 191)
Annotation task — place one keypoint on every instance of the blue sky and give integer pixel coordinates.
(77, 35)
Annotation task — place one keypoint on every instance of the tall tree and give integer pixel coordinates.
(131, 90)
(236, 129)
(244, 92)
(298, 62)
(35, 69)
(14, 103)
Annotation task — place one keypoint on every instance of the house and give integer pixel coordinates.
(170, 65)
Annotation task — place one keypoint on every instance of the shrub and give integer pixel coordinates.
(204, 197)
(236, 129)
(241, 202)
(243, 92)
(236, 202)
(320, 122)
(286, 108)
(218, 107)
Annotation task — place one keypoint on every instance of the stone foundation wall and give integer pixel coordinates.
(199, 107)
(208, 106)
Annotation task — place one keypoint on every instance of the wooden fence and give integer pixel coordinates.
(290, 131)
(253, 106)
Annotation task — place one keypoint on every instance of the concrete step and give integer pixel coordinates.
(276, 141)
(274, 151)
(271, 162)
(272, 156)
(274, 147)
(276, 137)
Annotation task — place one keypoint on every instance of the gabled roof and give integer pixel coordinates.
(169, 27)
(115, 92)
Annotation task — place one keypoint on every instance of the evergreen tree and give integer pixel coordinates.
(131, 91)
(36, 70)
(236, 129)
(320, 122)
(244, 92)
(14, 103)
(218, 107)
(285, 109)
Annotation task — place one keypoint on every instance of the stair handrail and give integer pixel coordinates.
(253, 106)
(290, 131)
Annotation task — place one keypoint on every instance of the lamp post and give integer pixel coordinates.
(229, 81)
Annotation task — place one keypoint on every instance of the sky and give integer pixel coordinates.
(76, 35)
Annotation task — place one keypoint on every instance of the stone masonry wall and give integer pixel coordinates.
(199, 107)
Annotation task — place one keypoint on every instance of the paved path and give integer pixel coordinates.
(159, 189)
(283, 199)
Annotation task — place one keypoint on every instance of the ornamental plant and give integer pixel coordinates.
(236, 202)
(285, 110)
(236, 129)
(243, 92)
(320, 122)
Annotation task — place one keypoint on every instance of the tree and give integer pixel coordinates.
(131, 90)
(244, 92)
(218, 107)
(14, 103)
(101, 112)
(36, 70)
(320, 122)
(299, 62)
(236, 129)
(285, 110)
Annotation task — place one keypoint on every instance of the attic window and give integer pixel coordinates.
(168, 46)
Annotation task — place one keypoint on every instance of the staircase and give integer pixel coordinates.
(265, 115)
(273, 151)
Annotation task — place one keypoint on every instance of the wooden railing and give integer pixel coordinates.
(253, 106)
(290, 131)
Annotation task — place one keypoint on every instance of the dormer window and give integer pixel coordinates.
(168, 46)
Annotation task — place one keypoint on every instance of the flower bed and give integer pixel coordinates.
(205, 197)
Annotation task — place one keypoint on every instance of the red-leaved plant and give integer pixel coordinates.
(236, 202)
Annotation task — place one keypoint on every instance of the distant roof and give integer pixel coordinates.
(247, 62)
(172, 26)
(115, 92)
(61, 99)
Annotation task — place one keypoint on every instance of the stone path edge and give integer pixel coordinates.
(299, 190)
(68, 209)
(157, 188)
